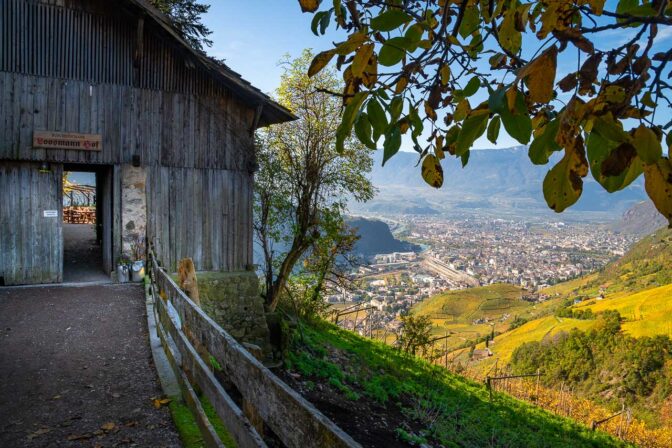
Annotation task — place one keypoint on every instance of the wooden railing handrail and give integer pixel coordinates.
(295, 421)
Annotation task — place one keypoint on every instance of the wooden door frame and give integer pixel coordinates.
(105, 209)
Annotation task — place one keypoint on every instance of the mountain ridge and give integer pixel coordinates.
(494, 178)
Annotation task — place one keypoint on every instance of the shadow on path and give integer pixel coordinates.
(82, 255)
(76, 369)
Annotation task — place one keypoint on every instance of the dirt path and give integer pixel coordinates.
(76, 369)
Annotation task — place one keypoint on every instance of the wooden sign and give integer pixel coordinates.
(67, 140)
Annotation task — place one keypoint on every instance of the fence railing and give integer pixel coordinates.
(264, 406)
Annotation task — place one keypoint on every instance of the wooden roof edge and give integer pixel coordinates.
(271, 111)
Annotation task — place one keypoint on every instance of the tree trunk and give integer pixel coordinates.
(295, 252)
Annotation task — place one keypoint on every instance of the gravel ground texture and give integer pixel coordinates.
(76, 369)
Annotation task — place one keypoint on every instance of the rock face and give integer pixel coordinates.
(375, 237)
(232, 299)
(641, 219)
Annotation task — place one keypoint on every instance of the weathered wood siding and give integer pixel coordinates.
(163, 128)
(200, 213)
(76, 66)
(96, 41)
(30, 244)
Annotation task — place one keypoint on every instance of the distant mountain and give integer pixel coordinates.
(640, 219)
(493, 179)
(376, 238)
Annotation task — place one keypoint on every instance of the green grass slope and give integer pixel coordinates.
(433, 405)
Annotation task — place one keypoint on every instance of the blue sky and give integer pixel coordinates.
(253, 35)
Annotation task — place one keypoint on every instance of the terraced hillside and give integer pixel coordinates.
(638, 286)
(472, 313)
(646, 313)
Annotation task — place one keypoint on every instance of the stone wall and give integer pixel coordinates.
(133, 211)
(232, 300)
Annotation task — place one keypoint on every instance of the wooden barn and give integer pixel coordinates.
(110, 88)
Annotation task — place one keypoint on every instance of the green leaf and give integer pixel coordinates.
(497, 100)
(348, 118)
(390, 20)
(316, 22)
(647, 145)
(416, 122)
(393, 51)
(396, 105)
(392, 143)
(451, 135)
(363, 130)
(607, 128)
(509, 37)
(377, 118)
(414, 33)
(472, 87)
(473, 127)
(544, 144)
(465, 158)
(518, 126)
(470, 21)
(599, 149)
(493, 129)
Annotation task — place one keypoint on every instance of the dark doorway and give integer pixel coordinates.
(84, 231)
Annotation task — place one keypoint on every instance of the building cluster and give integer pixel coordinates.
(469, 252)
(531, 255)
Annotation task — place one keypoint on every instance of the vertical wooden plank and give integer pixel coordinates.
(106, 179)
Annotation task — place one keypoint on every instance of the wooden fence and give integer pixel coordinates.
(194, 343)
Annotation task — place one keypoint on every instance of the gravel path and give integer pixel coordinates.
(76, 369)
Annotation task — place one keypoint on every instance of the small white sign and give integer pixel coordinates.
(50, 213)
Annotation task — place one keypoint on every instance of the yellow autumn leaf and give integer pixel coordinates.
(401, 85)
(658, 184)
(320, 61)
(540, 76)
(597, 6)
(350, 45)
(445, 74)
(563, 184)
(438, 145)
(361, 60)
(432, 172)
(370, 75)
(430, 112)
(509, 37)
(462, 110)
(309, 5)
(158, 402)
(404, 125)
(511, 96)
